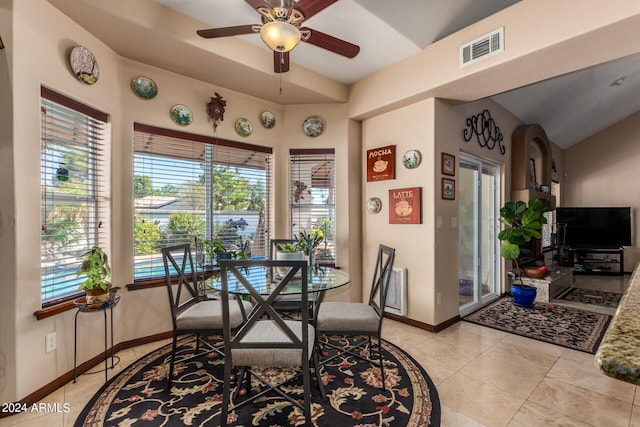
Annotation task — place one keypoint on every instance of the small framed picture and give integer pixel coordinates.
(448, 189)
(448, 164)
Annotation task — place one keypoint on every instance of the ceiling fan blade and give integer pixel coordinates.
(226, 31)
(280, 62)
(331, 43)
(257, 3)
(311, 7)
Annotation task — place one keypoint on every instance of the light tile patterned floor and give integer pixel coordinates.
(484, 378)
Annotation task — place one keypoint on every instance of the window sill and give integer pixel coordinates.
(61, 307)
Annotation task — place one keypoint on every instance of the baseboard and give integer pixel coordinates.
(422, 325)
(67, 377)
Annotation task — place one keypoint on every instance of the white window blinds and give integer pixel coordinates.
(188, 186)
(74, 191)
(313, 195)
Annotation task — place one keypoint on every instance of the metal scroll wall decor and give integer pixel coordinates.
(485, 130)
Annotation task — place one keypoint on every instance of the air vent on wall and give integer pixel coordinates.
(482, 47)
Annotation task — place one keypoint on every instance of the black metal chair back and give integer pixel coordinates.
(266, 338)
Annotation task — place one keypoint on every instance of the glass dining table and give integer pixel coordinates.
(264, 279)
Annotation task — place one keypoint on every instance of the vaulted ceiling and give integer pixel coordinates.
(569, 108)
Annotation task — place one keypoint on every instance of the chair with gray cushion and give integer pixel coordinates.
(288, 304)
(360, 320)
(190, 313)
(267, 338)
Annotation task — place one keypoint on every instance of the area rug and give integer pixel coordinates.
(564, 326)
(138, 395)
(593, 296)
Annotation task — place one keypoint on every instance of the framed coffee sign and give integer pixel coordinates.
(381, 163)
(405, 206)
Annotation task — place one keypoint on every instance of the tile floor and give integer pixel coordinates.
(484, 377)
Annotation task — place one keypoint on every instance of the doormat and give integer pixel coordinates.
(564, 326)
(593, 296)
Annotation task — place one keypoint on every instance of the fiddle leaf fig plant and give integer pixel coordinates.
(95, 266)
(522, 222)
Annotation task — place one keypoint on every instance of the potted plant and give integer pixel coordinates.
(308, 242)
(522, 222)
(216, 250)
(95, 266)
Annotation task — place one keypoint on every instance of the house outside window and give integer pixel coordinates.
(189, 187)
(74, 188)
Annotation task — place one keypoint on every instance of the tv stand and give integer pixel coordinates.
(597, 261)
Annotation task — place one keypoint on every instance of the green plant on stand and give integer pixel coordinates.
(522, 222)
(95, 266)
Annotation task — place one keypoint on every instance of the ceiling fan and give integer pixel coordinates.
(281, 31)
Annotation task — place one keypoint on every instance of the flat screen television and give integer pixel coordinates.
(596, 227)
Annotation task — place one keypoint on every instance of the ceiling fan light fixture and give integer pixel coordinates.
(280, 36)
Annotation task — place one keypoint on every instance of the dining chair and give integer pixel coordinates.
(360, 321)
(190, 312)
(288, 304)
(267, 338)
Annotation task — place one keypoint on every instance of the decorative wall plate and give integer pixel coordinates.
(181, 114)
(313, 126)
(144, 87)
(267, 119)
(374, 205)
(243, 127)
(411, 159)
(84, 65)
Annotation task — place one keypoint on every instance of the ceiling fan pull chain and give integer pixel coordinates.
(280, 74)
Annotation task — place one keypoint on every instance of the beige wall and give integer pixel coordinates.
(603, 171)
(40, 45)
(429, 253)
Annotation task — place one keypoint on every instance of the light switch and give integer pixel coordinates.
(454, 222)
(438, 222)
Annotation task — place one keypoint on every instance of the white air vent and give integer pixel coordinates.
(397, 293)
(482, 47)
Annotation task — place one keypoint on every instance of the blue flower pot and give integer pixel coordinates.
(523, 296)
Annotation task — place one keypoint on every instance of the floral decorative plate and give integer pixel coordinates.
(181, 114)
(411, 159)
(144, 87)
(243, 127)
(84, 65)
(313, 126)
(374, 205)
(267, 119)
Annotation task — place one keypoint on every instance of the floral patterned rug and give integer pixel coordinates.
(593, 296)
(138, 395)
(564, 326)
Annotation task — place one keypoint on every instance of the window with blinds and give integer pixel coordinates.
(74, 191)
(189, 186)
(313, 198)
(550, 230)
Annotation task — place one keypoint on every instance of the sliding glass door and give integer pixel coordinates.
(479, 268)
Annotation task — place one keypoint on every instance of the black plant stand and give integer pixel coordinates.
(84, 307)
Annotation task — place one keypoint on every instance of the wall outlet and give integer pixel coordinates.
(439, 298)
(50, 342)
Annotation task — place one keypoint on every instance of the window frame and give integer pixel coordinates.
(213, 149)
(69, 127)
(324, 181)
